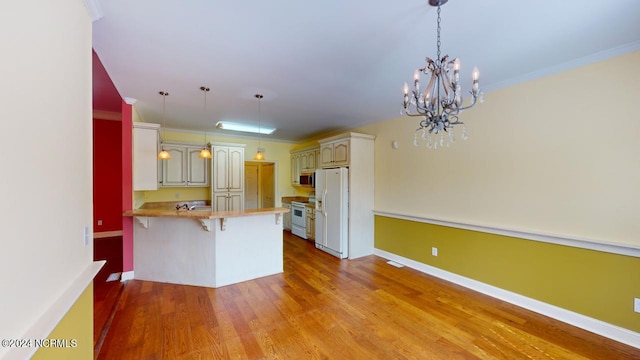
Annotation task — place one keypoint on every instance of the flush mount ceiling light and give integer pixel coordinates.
(441, 101)
(260, 153)
(205, 153)
(164, 154)
(235, 126)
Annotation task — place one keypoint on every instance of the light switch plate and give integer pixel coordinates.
(85, 239)
(636, 305)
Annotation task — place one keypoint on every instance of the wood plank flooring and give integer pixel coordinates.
(324, 308)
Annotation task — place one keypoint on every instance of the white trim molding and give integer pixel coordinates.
(620, 249)
(127, 275)
(94, 9)
(50, 319)
(107, 115)
(107, 234)
(599, 327)
(572, 64)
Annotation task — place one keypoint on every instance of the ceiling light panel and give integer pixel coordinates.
(235, 126)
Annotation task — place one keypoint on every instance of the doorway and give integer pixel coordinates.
(259, 184)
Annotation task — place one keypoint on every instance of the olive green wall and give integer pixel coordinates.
(596, 284)
(74, 330)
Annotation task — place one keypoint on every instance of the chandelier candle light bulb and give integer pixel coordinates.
(440, 103)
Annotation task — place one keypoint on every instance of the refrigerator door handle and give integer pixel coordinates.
(324, 198)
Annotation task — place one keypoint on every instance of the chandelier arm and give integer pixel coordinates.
(428, 90)
(473, 102)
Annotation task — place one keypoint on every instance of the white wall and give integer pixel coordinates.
(46, 147)
(557, 155)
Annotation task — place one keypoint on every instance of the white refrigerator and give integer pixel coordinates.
(332, 211)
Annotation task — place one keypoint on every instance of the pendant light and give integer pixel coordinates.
(260, 153)
(205, 153)
(164, 154)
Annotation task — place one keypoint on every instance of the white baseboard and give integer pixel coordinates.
(599, 327)
(127, 275)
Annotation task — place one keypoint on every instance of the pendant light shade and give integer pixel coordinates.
(164, 154)
(260, 153)
(205, 153)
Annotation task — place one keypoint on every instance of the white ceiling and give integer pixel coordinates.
(335, 64)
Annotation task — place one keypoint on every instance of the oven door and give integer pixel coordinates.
(298, 221)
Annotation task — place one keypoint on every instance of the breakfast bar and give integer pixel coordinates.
(206, 248)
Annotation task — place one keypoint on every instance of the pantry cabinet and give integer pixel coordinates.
(228, 177)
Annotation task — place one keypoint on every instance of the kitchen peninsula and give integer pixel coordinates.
(206, 248)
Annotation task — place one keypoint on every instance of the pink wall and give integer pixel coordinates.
(127, 186)
(107, 175)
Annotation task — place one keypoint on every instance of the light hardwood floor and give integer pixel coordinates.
(324, 308)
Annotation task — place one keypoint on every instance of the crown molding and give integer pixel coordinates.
(94, 9)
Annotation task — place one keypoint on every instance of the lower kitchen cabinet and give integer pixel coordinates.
(231, 201)
(286, 221)
(311, 223)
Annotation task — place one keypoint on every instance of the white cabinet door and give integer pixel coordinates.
(197, 167)
(341, 153)
(228, 201)
(220, 169)
(185, 168)
(220, 201)
(286, 221)
(174, 170)
(236, 169)
(236, 201)
(145, 156)
(228, 178)
(326, 155)
(295, 170)
(335, 154)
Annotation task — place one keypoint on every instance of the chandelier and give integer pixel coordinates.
(440, 103)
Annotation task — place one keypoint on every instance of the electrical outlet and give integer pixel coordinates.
(176, 195)
(434, 251)
(85, 239)
(99, 222)
(636, 305)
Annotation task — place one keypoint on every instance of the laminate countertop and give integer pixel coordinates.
(202, 214)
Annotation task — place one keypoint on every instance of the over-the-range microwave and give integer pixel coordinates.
(307, 179)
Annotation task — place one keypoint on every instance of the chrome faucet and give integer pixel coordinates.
(185, 206)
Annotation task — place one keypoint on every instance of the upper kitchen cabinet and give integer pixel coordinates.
(302, 161)
(184, 168)
(145, 156)
(334, 152)
(228, 177)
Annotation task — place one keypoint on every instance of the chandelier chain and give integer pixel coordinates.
(438, 58)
